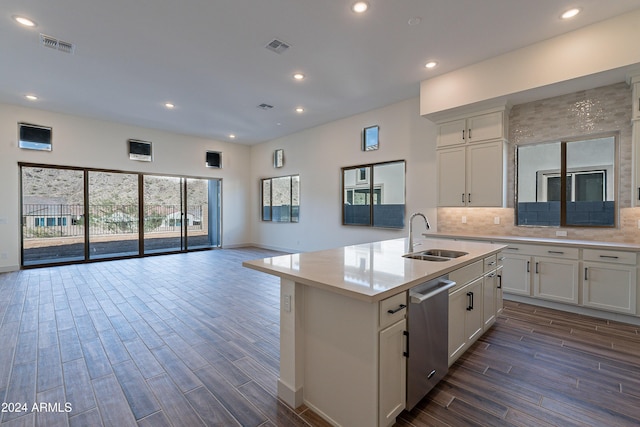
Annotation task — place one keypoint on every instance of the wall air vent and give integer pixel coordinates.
(277, 46)
(264, 106)
(56, 44)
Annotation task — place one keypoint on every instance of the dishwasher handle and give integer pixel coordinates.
(443, 285)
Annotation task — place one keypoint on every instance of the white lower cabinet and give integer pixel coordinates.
(392, 372)
(465, 317)
(556, 279)
(610, 287)
(489, 299)
(499, 290)
(516, 274)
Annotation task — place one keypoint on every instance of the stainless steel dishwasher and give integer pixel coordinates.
(428, 337)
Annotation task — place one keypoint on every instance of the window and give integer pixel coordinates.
(281, 199)
(568, 183)
(374, 194)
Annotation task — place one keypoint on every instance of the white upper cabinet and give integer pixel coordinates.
(480, 128)
(471, 156)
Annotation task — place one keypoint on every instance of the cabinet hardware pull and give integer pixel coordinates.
(490, 275)
(462, 198)
(512, 248)
(528, 264)
(431, 374)
(502, 258)
(469, 197)
(492, 263)
(400, 307)
(556, 252)
(586, 277)
(406, 353)
(609, 256)
(470, 295)
(499, 281)
(463, 134)
(536, 268)
(469, 133)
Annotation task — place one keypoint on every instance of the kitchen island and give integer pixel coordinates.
(343, 321)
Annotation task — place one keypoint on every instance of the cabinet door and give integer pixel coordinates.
(499, 301)
(451, 178)
(458, 303)
(451, 133)
(610, 287)
(516, 274)
(485, 127)
(556, 279)
(392, 372)
(485, 175)
(489, 291)
(474, 324)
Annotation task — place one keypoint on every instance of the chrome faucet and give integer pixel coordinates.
(426, 223)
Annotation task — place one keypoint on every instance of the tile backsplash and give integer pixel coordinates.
(582, 113)
(481, 221)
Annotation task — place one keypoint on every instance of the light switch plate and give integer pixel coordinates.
(286, 303)
(464, 219)
(496, 220)
(560, 233)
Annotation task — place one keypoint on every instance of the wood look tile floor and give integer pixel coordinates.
(193, 339)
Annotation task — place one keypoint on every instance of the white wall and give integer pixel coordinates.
(318, 155)
(591, 50)
(97, 144)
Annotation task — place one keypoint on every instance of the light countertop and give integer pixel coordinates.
(584, 244)
(370, 271)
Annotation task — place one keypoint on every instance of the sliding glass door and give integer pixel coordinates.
(75, 214)
(53, 215)
(163, 214)
(113, 214)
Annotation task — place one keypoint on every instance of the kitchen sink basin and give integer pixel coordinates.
(423, 257)
(438, 255)
(446, 253)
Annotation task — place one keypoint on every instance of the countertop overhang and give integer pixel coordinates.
(373, 271)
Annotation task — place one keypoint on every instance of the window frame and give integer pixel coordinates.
(565, 172)
(293, 180)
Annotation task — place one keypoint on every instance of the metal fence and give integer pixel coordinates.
(58, 220)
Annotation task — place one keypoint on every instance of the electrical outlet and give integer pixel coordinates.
(464, 219)
(561, 233)
(496, 220)
(286, 303)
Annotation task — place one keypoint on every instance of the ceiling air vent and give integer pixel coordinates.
(265, 106)
(56, 44)
(277, 46)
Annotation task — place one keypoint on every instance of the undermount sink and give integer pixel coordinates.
(438, 255)
(447, 253)
(423, 257)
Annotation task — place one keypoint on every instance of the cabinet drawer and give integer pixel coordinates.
(490, 263)
(518, 248)
(557, 252)
(466, 274)
(617, 257)
(393, 309)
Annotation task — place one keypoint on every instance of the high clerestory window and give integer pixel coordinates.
(568, 183)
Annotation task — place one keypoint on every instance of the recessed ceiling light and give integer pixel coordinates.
(360, 7)
(414, 21)
(570, 13)
(232, 136)
(298, 76)
(31, 97)
(299, 110)
(430, 64)
(24, 21)
(169, 105)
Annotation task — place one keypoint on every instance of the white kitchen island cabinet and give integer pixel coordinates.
(343, 324)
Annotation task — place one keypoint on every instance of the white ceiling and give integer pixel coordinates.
(208, 57)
